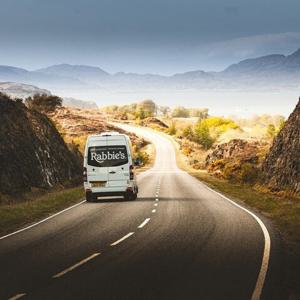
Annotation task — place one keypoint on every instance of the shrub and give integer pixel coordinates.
(43, 103)
(271, 131)
(249, 173)
(219, 125)
(202, 135)
(188, 133)
(241, 172)
(142, 157)
(180, 112)
(172, 129)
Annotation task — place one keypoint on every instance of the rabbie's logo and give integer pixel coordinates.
(104, 156)
(107, 156)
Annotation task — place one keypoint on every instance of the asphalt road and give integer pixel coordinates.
(178, 240)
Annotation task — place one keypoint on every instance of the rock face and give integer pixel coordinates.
(237, 160)
(244, 150)
(282, 165)
(32, 152)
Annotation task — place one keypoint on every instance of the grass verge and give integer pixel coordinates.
(18, 215)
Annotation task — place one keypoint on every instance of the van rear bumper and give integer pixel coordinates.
(93, 195)
(106, 194)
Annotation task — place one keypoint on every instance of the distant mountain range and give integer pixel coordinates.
(274, 70)
(277, 75)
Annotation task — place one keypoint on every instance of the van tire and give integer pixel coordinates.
(127, 196)
(90, 197)
(130, 196)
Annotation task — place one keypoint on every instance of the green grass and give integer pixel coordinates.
(18, 215)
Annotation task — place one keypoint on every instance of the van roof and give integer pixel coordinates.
(106, 134)
(109, 133)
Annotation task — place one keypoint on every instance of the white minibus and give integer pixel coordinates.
(109, 167)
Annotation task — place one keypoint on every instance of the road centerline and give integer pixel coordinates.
(62, 273)
(18, 296)
(144, 223)
(122, 239)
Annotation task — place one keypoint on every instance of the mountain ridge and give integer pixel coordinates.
(275, 71)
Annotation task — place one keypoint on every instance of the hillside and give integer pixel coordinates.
(20, 90)
(72, 102)
(76, 124)
(282, 164)
(34, 155)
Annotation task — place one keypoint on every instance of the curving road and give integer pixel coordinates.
(178, 240)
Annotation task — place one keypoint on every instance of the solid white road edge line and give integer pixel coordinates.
(42, 221)
(144, 223)
(18, 296)
(75, 266)
(267, 248)
(122, 239)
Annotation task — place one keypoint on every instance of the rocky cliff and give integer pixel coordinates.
(237, 160)
(282, 165)
(32, 152)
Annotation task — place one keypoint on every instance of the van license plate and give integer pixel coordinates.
(98, 183)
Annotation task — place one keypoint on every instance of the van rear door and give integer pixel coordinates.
(97, 170)
(118, 168)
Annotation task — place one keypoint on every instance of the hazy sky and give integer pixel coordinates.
(158, 36)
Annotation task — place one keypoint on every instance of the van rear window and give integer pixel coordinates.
(107, 156)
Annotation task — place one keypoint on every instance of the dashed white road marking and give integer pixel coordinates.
(155, 204)
(122, 239)
(153, 211)
(42, 221)
(18, 296)
(144, 223)
(156, 199)
(75, 266)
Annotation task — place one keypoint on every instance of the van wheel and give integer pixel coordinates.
(127, 196)
(130, 196)
(90, 197)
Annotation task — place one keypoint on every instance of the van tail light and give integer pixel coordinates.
(84, 174)
(131, 172)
